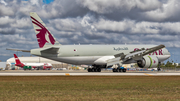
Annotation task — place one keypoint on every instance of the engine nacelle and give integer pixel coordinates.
(148, 62)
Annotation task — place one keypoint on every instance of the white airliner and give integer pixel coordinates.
(33, 65)
(99, 56)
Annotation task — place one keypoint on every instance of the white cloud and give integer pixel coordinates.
(3, 2)
(6, 20)
(169, 10)
(92, 22)
(106, 6)
(36, 2)
(22, 23)
(6, 10)
(133, 27)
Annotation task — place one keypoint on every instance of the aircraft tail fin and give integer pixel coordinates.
(17, 59)
(18, 62)
(44, 36)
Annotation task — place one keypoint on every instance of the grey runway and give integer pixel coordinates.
(89, 74)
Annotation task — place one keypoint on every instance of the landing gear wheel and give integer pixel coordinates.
(89, 70)
(124, 70)
(95, 69)
(114, 70)
(120, 70)
(117, 70)
(99, 70)
(92, 70)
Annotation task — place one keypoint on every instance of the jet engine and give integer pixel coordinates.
(148, 62)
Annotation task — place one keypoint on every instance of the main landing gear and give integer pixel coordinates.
(119, 69)
(94, 69)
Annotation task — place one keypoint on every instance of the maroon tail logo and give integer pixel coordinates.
(44, 35)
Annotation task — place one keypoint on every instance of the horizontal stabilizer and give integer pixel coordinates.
(52, 50)
(18, 50)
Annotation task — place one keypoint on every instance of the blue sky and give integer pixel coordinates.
(91, 22)
(47, 1)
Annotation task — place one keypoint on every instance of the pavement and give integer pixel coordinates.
(84, 73)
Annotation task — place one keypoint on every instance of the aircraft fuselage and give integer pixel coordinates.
(95, 54)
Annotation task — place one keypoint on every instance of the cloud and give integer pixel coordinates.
(169, 11)
(5, 20)
(132, 27)
(106, 6)
(6, 10)
(36, 2)
(91, 22)
(3, 2)
(23, 23)
(7, 31)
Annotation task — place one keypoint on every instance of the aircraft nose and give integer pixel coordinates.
(168, 53)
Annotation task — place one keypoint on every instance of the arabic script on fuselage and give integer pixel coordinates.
(119, 48)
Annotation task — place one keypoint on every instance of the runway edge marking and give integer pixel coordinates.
(148, 74)
(67, 74)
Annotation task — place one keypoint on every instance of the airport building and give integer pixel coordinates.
(2, 65)
(10, 63)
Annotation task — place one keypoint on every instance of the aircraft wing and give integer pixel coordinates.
(18, 50)
(135, 55)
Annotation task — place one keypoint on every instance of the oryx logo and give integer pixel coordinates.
(44, 35)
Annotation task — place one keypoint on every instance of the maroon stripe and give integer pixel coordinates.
(37, 21)
(38, 24)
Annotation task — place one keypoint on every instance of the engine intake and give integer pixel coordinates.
(148, 62)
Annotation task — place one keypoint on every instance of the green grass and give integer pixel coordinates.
(113, 88)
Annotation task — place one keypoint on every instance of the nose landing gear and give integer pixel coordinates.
(159, 68)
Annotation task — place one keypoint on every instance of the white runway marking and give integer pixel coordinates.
(89, 74)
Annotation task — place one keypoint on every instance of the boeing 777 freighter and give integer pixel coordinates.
(99, 56)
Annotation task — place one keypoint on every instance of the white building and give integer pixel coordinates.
(2, 65)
